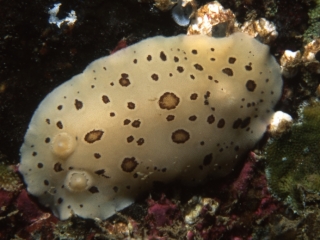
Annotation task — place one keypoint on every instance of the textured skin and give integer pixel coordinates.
(165, 108)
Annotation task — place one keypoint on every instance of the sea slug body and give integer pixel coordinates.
(181, 107)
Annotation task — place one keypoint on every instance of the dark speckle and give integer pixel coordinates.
(163, 57)
(198, 67)
(232, 60)
(228, 71)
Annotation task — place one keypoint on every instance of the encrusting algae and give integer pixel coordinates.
(293, 159)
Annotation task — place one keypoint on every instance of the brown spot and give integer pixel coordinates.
(112, 114)
(105, 68)
(212, 49)
(155, 77)
(216, 81)
(180, 69)
(193, 96)
(136, 123)
(202, 143)
(48, 120)
(47, 140)
(237, 123)
(248, 68)
(211, 119)
(228, 71)
(34, 154)
(236, 148)
(46, 182)
(59, 107)
(57, 167)
(59, 125)
(126, 122)
(140, 141)
(129, 164)
(192, 77)
(207, 159)
(210, 77)
(115, 189)
(198, 67)
(60, 200)
(105, 99)
(78, 104)
(193, 118)
(163, 56)
(232, 60)
(170, 118)
(97, 155)
(131, 105)
(130, 139)
(93, 190)
(100, 172)
(163, 169)
(212, 59)
(180, 136)
(94, 135)
(194, 51)
(251, 85)
(221, 123)
(124, 81)
(40, 165)
(245, 123)
(135, 61)
(168, 101)
(149, 58)
(176, 59)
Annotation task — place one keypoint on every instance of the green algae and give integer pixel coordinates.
(293, 160)
(9, 180)
(313, 30)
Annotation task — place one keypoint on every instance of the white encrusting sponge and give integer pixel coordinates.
(170, 108)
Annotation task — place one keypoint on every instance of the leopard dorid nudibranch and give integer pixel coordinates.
(181, 107)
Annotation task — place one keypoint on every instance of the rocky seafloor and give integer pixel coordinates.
(273, 193)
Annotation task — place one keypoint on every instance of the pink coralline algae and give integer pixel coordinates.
(120, 45)
(267, 204)
(29, 210)
(5, 199)
(241, 184)
(161, 213)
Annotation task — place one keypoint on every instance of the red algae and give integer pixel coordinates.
(29, 210)
(162, 212)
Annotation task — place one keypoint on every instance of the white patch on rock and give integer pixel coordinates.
(280, 123)
(70, 19)
(290, 62)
